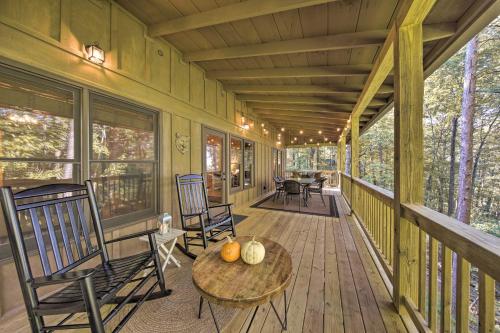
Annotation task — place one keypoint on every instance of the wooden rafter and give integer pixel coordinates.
(314, 44)
(305, 107)
(347, 90)
(237, 11)
(304, 115)
(291, 72)
(306, 100)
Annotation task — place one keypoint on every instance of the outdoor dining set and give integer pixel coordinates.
(299, 185)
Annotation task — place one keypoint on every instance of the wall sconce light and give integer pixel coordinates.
(246, 126)
(95, 53)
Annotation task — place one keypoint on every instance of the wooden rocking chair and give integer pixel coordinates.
(64, 240)
(193, 204)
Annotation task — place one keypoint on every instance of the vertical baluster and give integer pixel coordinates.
(422, 274)
(75, 229)
(462, 295)
(445, 289)
(433, 258)
(486, 303)
(53, 238)
(85, 228)
(64, 233)
(40, 242)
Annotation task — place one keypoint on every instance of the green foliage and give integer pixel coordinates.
(442, 102)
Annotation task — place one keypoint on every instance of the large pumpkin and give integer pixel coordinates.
(230, 251)
(253, 252)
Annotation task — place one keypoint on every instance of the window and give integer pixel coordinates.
(124, 159)
(236, 162)
(242, 159)
(248, 163)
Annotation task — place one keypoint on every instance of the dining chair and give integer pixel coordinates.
(278, 182)
(317, 187)
(293, 188)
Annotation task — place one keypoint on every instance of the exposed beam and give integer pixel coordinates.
(348, 90)
(317, 123)
(309, 131)
(314, 115)
(305, 100)
(314, 44)
(316, 108)
(291, 72)
(310, 118)
(229, 13)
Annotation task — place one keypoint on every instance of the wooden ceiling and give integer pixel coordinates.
(299, 64)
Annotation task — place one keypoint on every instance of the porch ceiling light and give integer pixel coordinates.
(282, 129)
(319, 132)
(95, 53)
(310, 140)
(301, 132)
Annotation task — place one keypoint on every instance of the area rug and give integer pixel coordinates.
(314, 205)
(179, 311)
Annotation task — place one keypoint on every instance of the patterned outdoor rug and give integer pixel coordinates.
(179, 311)
(314, 205)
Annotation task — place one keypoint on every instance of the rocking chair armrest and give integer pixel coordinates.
(222, 205)
(134, 235)
(193, 214)
(59, 278)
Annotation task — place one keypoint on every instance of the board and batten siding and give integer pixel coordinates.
(48, 37)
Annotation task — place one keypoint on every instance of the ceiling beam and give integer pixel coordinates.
(318, 119)
(316, 108)
(342, 41)
(309, 130)
(306, 114)
(318, 124)
(306, 100)
(348, 90)
(233, 12)
(291, 72)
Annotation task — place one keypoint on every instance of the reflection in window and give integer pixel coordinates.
(38, 136)
(124, 160)
(236, 162)
(248, 163)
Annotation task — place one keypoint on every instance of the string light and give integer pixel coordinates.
(301, 132)
(319, 132)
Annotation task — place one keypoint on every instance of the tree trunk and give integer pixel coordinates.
(348, 160)
(468, 103)
(451, 188)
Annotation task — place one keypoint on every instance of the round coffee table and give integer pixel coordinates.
(239, 285)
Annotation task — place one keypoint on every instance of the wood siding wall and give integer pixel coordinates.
(48, 37)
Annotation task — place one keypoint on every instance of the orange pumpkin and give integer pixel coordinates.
(230, 251)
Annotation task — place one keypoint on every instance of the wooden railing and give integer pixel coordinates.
(450, 267)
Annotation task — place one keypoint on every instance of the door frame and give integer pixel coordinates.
(204, 132)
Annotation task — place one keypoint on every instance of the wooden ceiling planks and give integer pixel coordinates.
(281, 70)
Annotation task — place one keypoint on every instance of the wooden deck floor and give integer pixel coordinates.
(336, 286)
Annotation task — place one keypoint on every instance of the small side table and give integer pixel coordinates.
(162, 240)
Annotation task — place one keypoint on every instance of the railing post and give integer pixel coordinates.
(408, 154)
(354, 157)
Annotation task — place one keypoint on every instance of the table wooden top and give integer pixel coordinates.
(303, 181)
(238, 284)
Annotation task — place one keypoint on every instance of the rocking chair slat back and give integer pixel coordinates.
(39, 209)
(192, 194)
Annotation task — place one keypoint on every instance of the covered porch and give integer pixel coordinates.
(131, 94)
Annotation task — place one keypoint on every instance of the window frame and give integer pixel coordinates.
(242, 186)
(252, 173)
(129, 217)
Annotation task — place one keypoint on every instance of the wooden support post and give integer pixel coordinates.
(408, 155)
(354, 159)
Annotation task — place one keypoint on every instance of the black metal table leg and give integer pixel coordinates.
(251, 320)
(201, 306)
(213, 316)
(283, 323)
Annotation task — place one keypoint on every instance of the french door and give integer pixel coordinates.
(214, 164)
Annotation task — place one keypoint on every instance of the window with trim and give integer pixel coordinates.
(39, 134)
(123, 157)
(242, 153)
(248, 163)
(236, 151)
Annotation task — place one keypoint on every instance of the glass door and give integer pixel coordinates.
(214, 158)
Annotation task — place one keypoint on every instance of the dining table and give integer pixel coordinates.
(304, 182)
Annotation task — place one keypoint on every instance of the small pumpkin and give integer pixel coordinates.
(230, 251)
(253, 252)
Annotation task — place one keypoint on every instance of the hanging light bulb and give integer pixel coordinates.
(319, 132)
(301, 132)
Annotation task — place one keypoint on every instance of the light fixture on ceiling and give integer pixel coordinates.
(326, 139)
(95, 53)
(319, 132)
(301, 132)
(282, 129)
(295, 138)
(310, 140)
(317, 144)
(338, 129)
(279, 142)
(262, 125)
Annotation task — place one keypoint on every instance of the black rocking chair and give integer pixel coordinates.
(193, 204)
(56, 217)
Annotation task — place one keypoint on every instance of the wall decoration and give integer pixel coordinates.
(182, 143)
